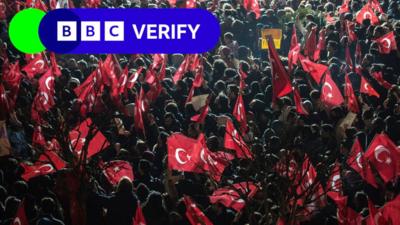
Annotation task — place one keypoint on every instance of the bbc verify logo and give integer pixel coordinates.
(118, 31)
(90, 31)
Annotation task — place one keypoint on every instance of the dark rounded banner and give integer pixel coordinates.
(97, 31)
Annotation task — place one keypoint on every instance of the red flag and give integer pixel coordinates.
(139, 110)
(150, 76)
(199, 77)
(366, 88)
(78, 136)
(252, 6)
(37, 137)
(31, 171)
(320, 45)
(280, 79)
(44, 98)
(297, 101)
(194, 214)
(51, 157)
(281, 221)
(310, 190)
(382, 153)
(133, 78)
(54, 66)
(387, 43)
(330, 93)
(111, 71)
(349, 61)
(376, 6)
(20, 218)
(190, 4)
(37, 66)
(334, 184)
(352, 103)
(316, 70)
(139, 217)
(235, 142)
(242, 77)
(293, 40)
(93, 3)
(357, 161)
(159, 60)
(181, 153)
(212, 162)
(199, 118)
(39, 4)
(293, 57)
(12, 80)
(390, 211)
(122, 82)
(367, 13)
(311, 43)
(379, 78)
(344, 8)
(233, 196)
(239, 112)
(350, 31)
(375, 216)
(115, 170)
(183, 68)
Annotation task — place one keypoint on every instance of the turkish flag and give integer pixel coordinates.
(194, 214)
(366, 12)
(51, 157)
(379, 78)
(239, 112)
(297, 101)
(234, 141)
(115, 170)
(31, 171)
(350, 31)
(311, 43)
(44, 98)
(293, 56)
(199, 118)
(316, 70)
(181, 153)
(139, 217)
(242, 77)
(390, 211)
(212, 162)
(199, 77)
(320, 46)
(349, 61)
(183, 68)
(367, 89)
(111, 71)
(387, 43)
(39, 4)
(309, 190)
(334, 185)
(344, 8)
(93, 3)
(330, 93)
(37, 137)
(139, 110)
(123, 80)
(252, 6)
(54, 66)
(78, 137)
(232, 196)
(20, 218)
(37, 66)
(12, 77)
(133, 78)
(159, 60)
(358, 163)
(352, 103)
(375, 216)
(190, 4)
(281, 85)
(376, 6)
(382, 153)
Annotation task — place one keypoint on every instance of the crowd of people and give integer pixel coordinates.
(329, 103)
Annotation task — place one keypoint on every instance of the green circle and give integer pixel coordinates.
(24, 31)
